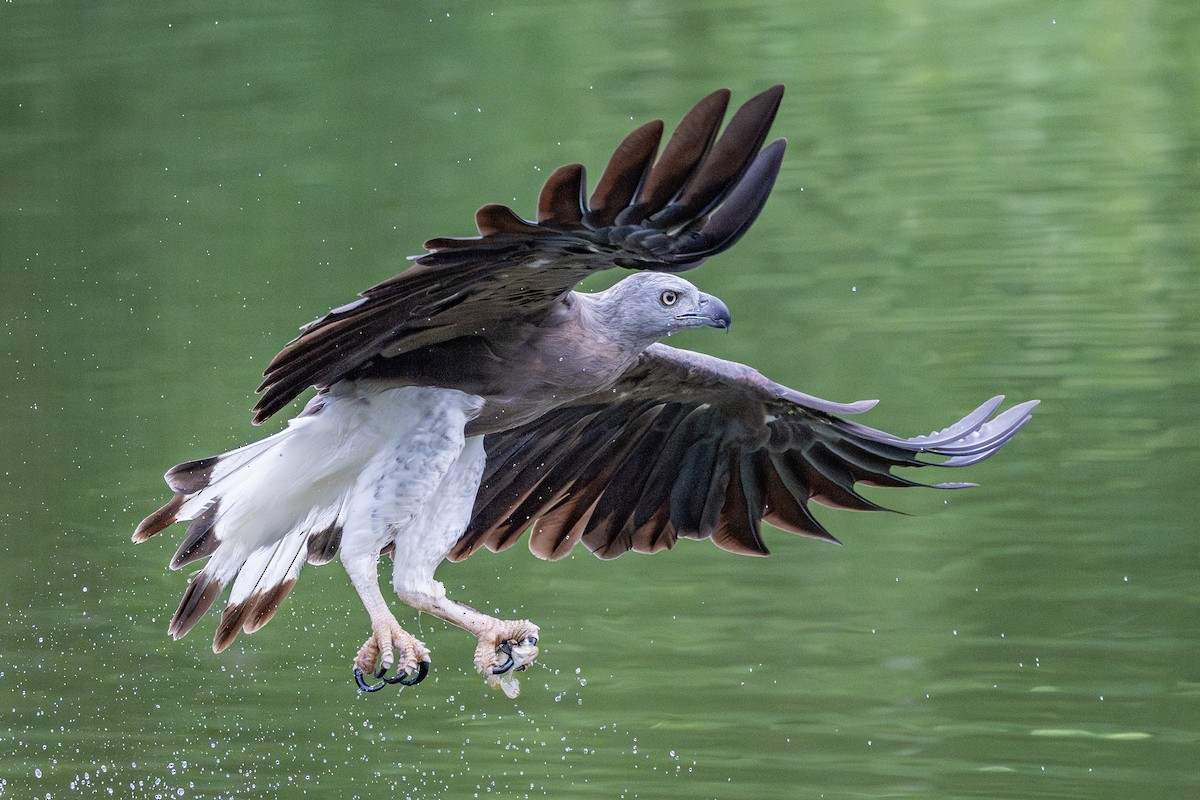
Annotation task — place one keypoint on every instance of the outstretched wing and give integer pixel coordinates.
(669, 214)
(692, 446)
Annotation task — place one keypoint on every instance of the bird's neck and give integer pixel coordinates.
(600, 317)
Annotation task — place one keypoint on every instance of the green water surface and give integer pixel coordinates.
(978, 198)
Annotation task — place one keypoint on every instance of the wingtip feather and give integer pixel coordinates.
(561, 201)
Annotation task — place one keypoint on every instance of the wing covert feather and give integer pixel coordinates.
(667, 215)
(691, 446)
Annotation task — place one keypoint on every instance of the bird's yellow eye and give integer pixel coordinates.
(668, 298)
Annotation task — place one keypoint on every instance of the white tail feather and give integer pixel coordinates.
(269, 567)
(267, 500)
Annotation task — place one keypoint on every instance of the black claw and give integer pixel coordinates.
(363, 686)
(410, 680)
(405, 680)
(500, 669)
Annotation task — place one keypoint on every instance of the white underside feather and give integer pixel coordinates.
(367, 460)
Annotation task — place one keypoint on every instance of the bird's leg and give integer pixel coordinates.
(505, 645)
(388, 643)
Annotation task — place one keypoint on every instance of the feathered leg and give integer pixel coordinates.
(504, 646)
(393, 492)
(389, 645)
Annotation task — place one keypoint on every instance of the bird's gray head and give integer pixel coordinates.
(647, 306)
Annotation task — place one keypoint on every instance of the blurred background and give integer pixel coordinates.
(978, 198)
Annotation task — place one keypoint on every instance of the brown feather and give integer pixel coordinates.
(737, 530)
(741, 205)
(590, 484)
(191, 476)
(625, 173)
(571, 519)
(646, 519)
(557, 532)
(506, 493)
(232, 618)
(830, 481)
(160, 520)
(732, 153)
(733, 532)
(786, 509)
(197, 599)
(623, 477)
(655, 533)
(561, 198)
(323, 545)
(686, 147)
(263, 605)
(201, 539)
(251, 614)
(494, 218)
(509, 501)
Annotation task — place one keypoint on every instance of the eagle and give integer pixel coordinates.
(478, 395)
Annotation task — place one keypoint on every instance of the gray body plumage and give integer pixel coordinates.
(526, 366)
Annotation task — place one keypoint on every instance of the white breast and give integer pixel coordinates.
(415, 469)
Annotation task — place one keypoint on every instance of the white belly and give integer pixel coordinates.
(427, 540)
(417, 467)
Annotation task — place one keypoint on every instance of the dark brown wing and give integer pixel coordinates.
(669, 214)
(691, 446)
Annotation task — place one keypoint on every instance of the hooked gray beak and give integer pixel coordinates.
(713, 313)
